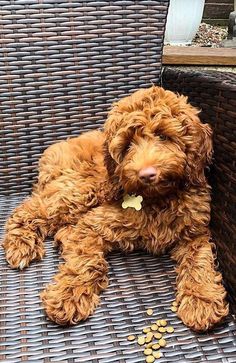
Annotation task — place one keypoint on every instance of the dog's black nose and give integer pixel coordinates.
(147, 175)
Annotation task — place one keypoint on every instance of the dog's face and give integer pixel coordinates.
(154, 141)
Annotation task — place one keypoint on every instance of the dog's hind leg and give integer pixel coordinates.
(26, 230)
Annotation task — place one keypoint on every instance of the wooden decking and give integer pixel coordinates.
(199, 56)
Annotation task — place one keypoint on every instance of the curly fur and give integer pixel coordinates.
(78, 200)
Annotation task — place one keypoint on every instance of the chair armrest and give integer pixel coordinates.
(215, 94)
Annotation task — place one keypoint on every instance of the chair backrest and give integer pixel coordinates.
(62, 65)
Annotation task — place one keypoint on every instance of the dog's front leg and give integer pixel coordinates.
(26, 230)
(200, 293)
(74, 294)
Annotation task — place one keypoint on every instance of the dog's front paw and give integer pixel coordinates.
(21, 248)
(66, 305)
(201, 314)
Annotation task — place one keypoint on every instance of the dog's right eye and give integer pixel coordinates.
(161, 137)
(125, 149)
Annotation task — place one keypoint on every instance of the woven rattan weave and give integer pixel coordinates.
(137, 281)
(62, 65)
(215, 94)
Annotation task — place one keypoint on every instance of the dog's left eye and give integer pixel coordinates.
(162, 137)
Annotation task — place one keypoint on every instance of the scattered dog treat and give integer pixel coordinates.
(150, 359)
(153, 339)
(156, 346)
(149, 312)
(170, 329)
(158, 336)
(131, 338)
(157, 354)
(154, 327)
(174, 307)
(148, 351)
(162, 342)
(141, 340)
(163, 322)
(149, 337)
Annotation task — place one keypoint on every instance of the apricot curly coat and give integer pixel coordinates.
(78, 199)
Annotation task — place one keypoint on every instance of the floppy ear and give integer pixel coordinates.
(199, 150)
(109, 161)
(113, 186)
(110, 129)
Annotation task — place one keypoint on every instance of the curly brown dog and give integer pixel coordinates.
(155, 147)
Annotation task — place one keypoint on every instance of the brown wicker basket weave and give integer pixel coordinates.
(62, 64)
(215, 94)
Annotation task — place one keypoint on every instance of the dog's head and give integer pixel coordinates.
(154, 141)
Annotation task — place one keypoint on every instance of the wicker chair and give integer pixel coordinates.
(62, 64)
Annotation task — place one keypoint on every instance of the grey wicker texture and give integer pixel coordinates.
(215, 94)
(137, 281)
(62, 64)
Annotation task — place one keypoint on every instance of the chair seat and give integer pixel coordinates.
(137, 281)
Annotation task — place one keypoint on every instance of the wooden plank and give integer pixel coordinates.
(199, 56)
